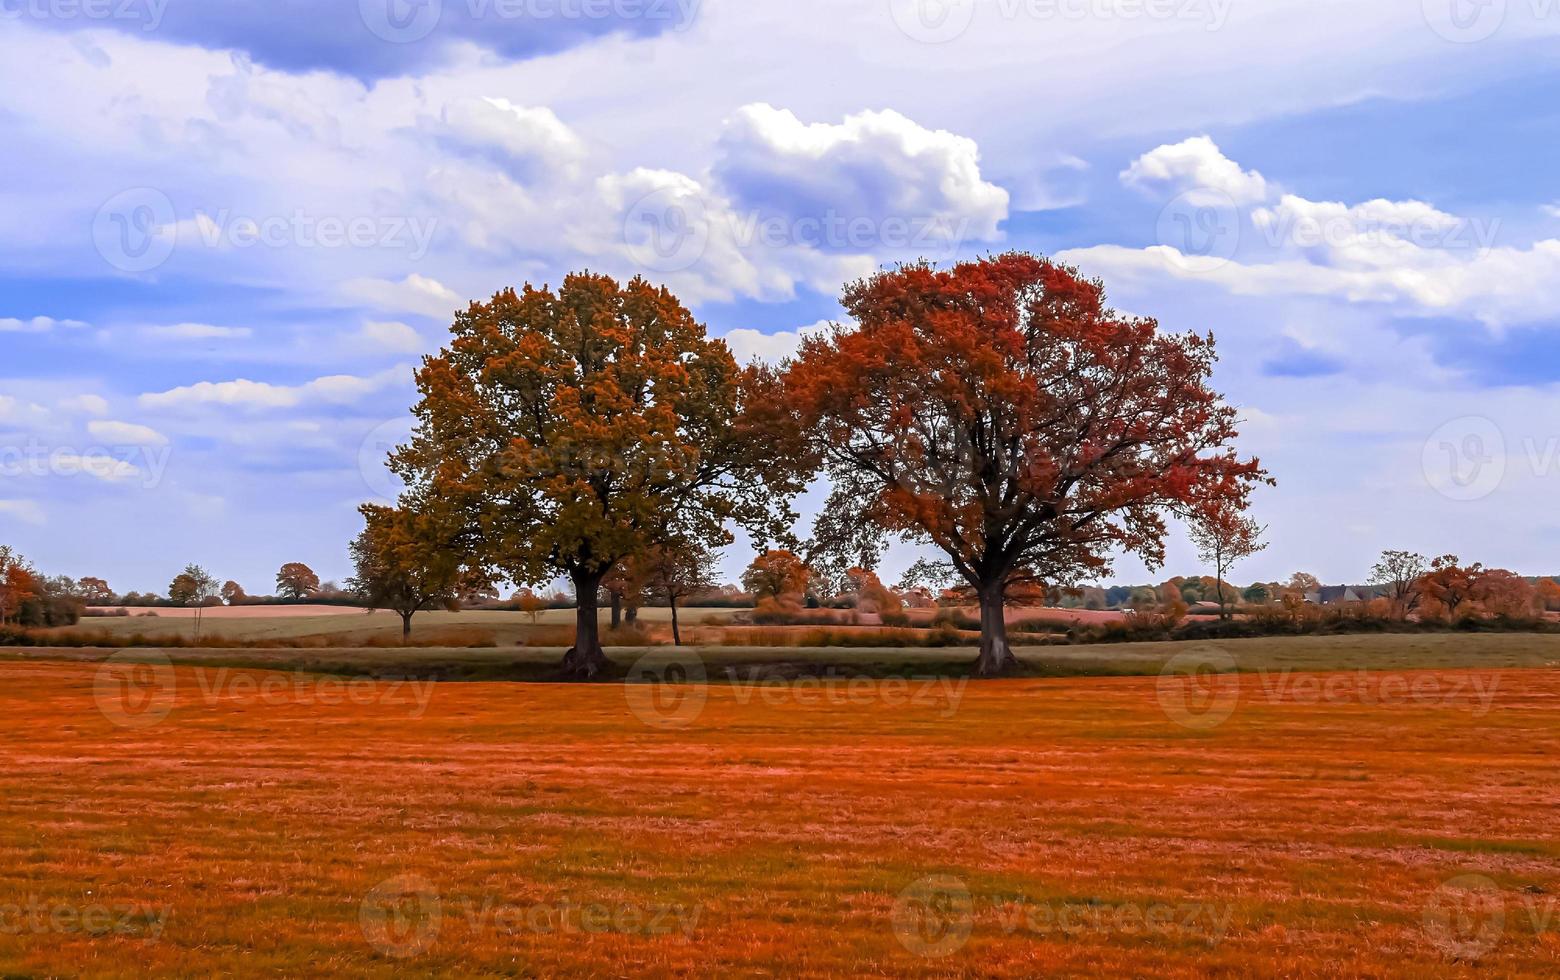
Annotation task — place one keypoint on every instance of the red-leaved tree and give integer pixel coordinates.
(1001, 412)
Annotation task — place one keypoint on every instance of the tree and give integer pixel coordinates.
(296, 581)
(1504, 593)
(1304, 583)
(531, 604)
(624, 587)
(95, 591)
(409, 560)
(194, 587)
(1449, 585)
(777, 574)
(573, 426)
(676, 570)
(18, 583)
(1548, 591)
(1398, 573)
(1223, 535)
(233, 594)
(999, 411)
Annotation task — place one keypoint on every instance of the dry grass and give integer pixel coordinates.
(778, 830)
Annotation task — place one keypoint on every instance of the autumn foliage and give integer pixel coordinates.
(1001, 412)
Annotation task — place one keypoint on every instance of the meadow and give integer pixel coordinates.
(167, 817)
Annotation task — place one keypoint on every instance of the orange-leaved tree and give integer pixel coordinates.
(411, 558)
(579, 427)
(999, 411)
(18, 582)
(1223, 534)
(296, 580)
(776, 574)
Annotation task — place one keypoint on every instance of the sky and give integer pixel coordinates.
(231, 228)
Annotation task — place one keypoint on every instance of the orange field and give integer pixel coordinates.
(202, 821)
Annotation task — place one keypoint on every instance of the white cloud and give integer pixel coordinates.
(125, 433)
(102, 467)
(529, 143)
(38, 324)
(339, 389)
(85, 404)
(391, 336)
(1198, 168)
(13, 409)
(874, 167)
(26, 511)
(747, 344)
(197, 331)
(414, 294)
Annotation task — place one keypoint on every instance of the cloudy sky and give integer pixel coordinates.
(231, 227)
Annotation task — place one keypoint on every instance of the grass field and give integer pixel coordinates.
(202, 820)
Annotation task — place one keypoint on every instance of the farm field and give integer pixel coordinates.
(203, 821)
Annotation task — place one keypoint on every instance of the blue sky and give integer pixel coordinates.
(231, 228)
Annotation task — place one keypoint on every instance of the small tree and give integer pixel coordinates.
(677, 570)
(18, 583)
(1398, 573)
(296, 581)
(1449, 585)
(1549, 594)
(408, 561)
(1303, 583)
(95, 591)
(233, 594)
(1223, 535)
(194, 587)
(777, 574)
(531, 604)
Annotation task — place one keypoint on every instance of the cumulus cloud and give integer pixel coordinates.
(1409, 253)
(873, 168)
(528, 143)
(1198, 168)
(390, 335)
(97, 465)
(413, 294)
(125, 433)
(338, 389)
(85, 404)
(747, 344)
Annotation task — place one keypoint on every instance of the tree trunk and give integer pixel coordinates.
(996, 657)
(632, 616)
(586, 659)
(617, 610)
(406, 627)
(676, 635)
